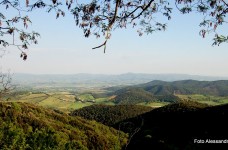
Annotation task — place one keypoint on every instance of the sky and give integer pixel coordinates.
(63, 49)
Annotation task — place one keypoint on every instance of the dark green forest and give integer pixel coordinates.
(110, 115)
(162, 91)
(172, 127)
(215, 88)
(176, 126)
(134, 95)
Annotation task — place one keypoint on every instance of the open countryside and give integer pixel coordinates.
(146, 94)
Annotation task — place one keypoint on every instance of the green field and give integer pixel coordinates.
(67, 102)
(86, 96)
(154, 104)
(64, 101)
(210, 100)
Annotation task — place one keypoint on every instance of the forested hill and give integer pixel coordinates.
(216, 88)
(26, 126)
(134, 95)
(110, 115)
(176, 126)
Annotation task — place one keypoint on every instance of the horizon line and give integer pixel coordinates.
(107, 74)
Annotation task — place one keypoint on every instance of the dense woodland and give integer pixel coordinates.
(175, 126)
(26, 126)
(216, 88)
(134, 95)
(110, 115)
(172, 127)
(161, 91)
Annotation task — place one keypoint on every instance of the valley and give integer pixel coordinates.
(67, 101)
(141, 116)
(153, 94)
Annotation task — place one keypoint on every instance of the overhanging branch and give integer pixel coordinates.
(144, 9)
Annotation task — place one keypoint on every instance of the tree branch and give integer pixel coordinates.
(144, 9)
(224, 2)
(1, 28)
(104, 44)
(110, 26)
(114, 17)
(133, 11)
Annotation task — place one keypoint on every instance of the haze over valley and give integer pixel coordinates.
(113, 75)
(99, 80)
(128, 110)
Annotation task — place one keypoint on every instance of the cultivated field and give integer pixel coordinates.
(210, 100)
(64, 101)
(69, 101)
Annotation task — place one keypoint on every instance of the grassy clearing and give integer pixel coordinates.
(52, 100)
(62, 105)
(102, 100)
(78, 105)
(154, 104)
(63, 101)
(86, 97)
(211, 100)
(27, 96)
(106, 101)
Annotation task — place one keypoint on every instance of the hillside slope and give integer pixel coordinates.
(134, 95)
(216, 88)
(178, 126)
(27, 126)
(110, 115)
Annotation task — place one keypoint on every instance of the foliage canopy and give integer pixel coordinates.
(26, 126)
(101, 17)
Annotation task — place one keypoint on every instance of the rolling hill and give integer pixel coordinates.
(178, 126)
(110, 115)
(27, 126)
(173, 127)
(134, 95)
(215, 88)
(162, 91)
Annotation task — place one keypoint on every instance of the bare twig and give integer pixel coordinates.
(104, 44)
(5, 84)
(135, 131)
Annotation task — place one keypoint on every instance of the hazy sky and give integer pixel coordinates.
(62, 49)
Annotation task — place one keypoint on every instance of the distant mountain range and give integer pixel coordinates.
(97, 80)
